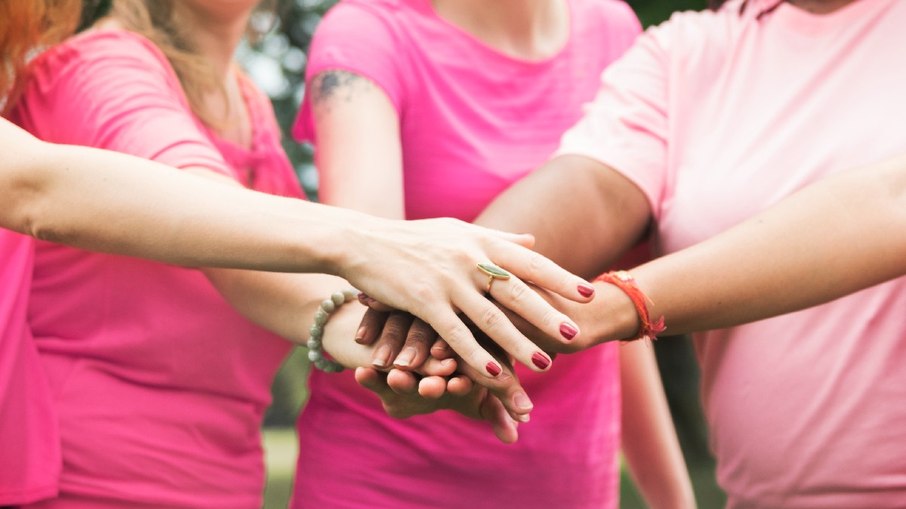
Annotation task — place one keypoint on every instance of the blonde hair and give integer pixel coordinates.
(156, 21)
(25, 28)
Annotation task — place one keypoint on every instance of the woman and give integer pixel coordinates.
(709, 119)
(142, 354)
(446, 104)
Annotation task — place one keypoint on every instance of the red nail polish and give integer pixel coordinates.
(586, 290)
(568, 331)
(540, 360)
(493, 368)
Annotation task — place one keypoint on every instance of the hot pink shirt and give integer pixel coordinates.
(29, 440)
(160, 385)
(717, 116)
(473, 121)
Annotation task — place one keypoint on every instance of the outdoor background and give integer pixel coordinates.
(277, 64)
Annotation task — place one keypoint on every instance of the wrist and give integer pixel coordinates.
(611, 316)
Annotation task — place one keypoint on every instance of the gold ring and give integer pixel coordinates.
(493, 272)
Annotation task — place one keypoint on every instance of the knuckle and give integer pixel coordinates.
(491, 317)
(517, 290)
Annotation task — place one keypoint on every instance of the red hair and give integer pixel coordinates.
(26, 27)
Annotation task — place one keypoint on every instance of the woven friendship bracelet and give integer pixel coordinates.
(316, 332)
(625, 282)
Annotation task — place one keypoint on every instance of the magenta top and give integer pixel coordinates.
(473, 121)
(29, 440)
(160, 385)
(717, 116)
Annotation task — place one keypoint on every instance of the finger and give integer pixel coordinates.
(435, 367)
(415, 349)
(531, 266)
(493, 322)
(459, 385)
(525, 302)
(391, 339)
(370, 327)
(452, 329)
(441, 350)
(373, 380)
(505, 428)
(506, 388)
(402, 382)
(374, 304)
(432, 387)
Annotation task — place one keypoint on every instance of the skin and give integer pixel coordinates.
(351, 111)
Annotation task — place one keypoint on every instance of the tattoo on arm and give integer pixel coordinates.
(331, 86)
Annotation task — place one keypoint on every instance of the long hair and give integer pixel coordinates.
(25, 28)
(156, 20)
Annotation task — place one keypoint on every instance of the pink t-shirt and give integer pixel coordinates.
(160, 385)
(717, 116)
(473, 121)
(29, 440)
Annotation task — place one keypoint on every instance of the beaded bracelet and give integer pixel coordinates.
(624, 281)
(316, 332)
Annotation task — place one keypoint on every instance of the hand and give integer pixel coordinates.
(406, 398)
(399, 337)
(441, 255)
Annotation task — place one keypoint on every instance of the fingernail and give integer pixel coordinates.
(586, 290)
(540, 360)
(360, 335)
(493, 368)
(363, 298)
(522, 401)
(381, 357)
(405, 357)
(568, 330)
(523, 418)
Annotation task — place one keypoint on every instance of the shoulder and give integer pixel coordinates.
(100, 55)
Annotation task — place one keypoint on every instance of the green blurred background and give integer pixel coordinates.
(277, 63)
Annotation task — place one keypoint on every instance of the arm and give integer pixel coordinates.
(649, 441)
(836, 237)
(66, 194)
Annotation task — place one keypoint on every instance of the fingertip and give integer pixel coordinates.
(431, 387)
(402, 382)
(366, 377)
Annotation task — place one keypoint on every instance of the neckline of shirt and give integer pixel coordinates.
(496, 53)
(807, 23)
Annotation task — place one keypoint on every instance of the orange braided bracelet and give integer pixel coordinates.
(624, 281)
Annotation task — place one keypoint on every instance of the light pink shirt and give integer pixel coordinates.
(717, 116)
(473, 121)
(29, 440)
(161, 386)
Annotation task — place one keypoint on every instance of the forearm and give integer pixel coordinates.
(115, 203)
(649, 440)
(839, 236)
(583, 214)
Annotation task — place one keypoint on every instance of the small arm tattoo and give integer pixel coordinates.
(331, 86)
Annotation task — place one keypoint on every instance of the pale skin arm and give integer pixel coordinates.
(116, 203)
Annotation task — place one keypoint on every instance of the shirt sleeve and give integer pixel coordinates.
(359, 39)
(114, 90)
(626, 125)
